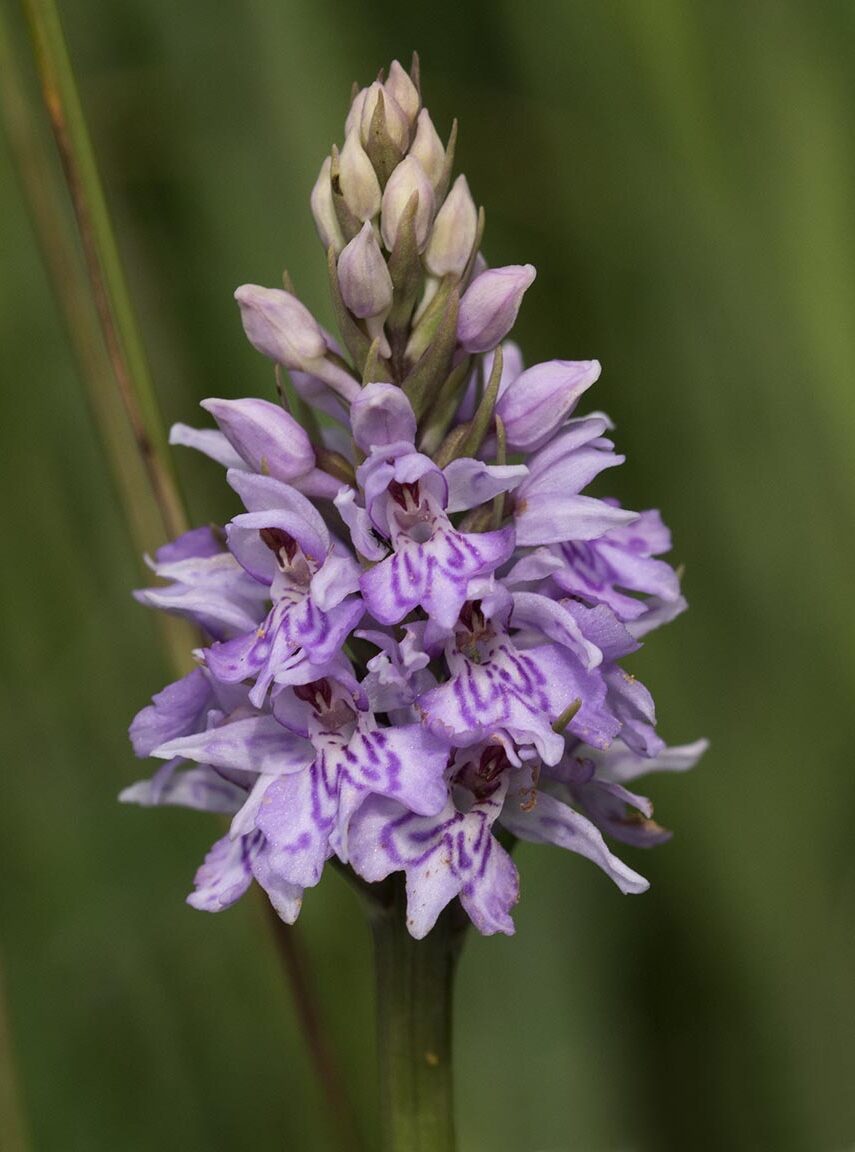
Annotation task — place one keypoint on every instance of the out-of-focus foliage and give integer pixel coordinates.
(683, 176)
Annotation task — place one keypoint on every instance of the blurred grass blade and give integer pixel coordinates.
(106, 277)
(49, 213)
(12, 1131)
(147, 484)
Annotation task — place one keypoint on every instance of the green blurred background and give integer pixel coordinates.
(683, 176)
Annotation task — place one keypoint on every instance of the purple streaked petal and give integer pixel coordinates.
(554, 622)
(595, 723)
(295, 632)
(520, 693)
(258, 744)
(297, 814)
(548, 821)
(405, 763)
(225, 874)
(435, 574)
(450, 854)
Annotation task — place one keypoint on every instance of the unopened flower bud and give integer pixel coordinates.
(490, 305)
(428, 149)
(267, 437)
(279, 326)
(401, 88)
(541, 398)
(453, 233)
(380, 415)
(354, 116)
(323, 209)
(358, 180)
(408, 177)
(364, 280)
(397, 124)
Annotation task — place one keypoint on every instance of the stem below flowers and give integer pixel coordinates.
(415, 980)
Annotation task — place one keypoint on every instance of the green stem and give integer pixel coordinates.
(415, 980)
(104, 267)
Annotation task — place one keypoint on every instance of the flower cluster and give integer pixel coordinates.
(413, 634)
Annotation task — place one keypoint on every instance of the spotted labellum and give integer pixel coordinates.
(412, 637)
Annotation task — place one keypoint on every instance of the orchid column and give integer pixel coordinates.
(414, 631)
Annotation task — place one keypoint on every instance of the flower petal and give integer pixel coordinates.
(548, 821)
(472, 482)
(541, 398)
(258, 744)
(178, 709)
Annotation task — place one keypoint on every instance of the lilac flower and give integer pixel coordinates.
(305, 816)
(285, 546)
(605, 570)
(451, 854)
(533, 814)
(406, 503)
(206, 585)
(496, 688)
(171, 727)
(229, 869)
(415, 633)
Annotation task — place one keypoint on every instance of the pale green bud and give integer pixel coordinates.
(323, 209)
(428, 149)
(397, 124)
(401, 88)
(453, 233)
(408, 177)
(363, 278)
(358, 180)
